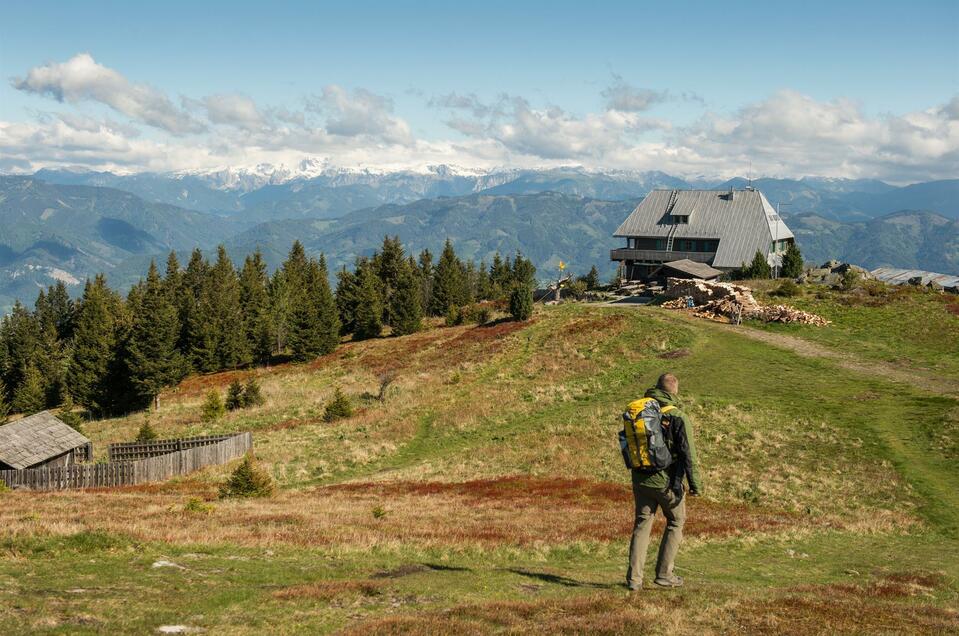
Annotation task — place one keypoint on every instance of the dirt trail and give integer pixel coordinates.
(918, 378)
(907, 375)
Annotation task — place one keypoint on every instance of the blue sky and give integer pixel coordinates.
(687, 87)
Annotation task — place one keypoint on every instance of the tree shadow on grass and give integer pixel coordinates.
(557, 579)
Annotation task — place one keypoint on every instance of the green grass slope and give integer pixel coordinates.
(485, 494)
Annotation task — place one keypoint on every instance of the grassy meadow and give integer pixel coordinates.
(485, 492)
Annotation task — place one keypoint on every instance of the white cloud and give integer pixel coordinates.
(553, 133)
(624, 97)
(788, 134)
(361, 113)
(791, 134)
(233, 110)
(81, 78)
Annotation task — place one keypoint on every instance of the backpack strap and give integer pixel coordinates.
(665, 411)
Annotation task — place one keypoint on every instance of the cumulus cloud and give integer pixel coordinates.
(554, 133)
(81, 78)
(788, 134)
(361, 113)
(630, 99)
(233, 110)
(469, 102)
(794, 134)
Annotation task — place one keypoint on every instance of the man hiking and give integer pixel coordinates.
(660, 488)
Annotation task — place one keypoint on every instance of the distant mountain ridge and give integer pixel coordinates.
(315, 190)
(911, 239)
(70, 224)
(67, 232)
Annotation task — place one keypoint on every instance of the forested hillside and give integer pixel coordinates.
(111, 353)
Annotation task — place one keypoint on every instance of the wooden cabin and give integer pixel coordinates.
(720, 228)
(41, 441)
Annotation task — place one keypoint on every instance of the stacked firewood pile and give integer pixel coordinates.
(728, 302)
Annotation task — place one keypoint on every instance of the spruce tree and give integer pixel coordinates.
(234, 396)
(212, 408)
(369, 307)
(51, 361)
(388, 264)
(425, 265)
(326, 305)
(22, 342)
(483, 282)
(523, 272)
(521, 302)
(448, 285)
(252, 395)
(95, 347)
(591, 279)
(500, 276)
(4, 403)
(30, 396)
(405, 307)
(759, 267)
(792, 264)
(231, 349)
(281, 297)
(58, 311)
(347, 297)
(198, 340)
(314, 325)
(254, 301)
(295, 316)
(152, 360)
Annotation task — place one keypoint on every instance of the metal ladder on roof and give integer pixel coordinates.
(672, 201)
(670, 237)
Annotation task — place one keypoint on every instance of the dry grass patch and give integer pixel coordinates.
(516, 511)
(887, 606)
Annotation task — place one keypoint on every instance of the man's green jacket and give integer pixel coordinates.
(684, 453)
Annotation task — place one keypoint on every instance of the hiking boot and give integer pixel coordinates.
(669, 581)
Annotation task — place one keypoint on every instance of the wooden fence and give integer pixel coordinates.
(131, 473)
(130, 451)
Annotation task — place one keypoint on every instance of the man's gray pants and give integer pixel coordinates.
(648, 500)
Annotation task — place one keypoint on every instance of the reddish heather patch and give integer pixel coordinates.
(599, 614)
(487, 333)
(842, 608)
(502, 489)
(399, 354)
(606, 507)
(200, 384)
(952, 304)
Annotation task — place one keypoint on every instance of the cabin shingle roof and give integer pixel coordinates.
(35, 439)
(699, 270)
(744, 222)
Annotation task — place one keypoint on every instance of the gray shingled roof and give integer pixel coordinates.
(743, 224)
(35, 439)
(700, 270)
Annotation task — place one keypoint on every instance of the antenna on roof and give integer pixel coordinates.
(749, 176)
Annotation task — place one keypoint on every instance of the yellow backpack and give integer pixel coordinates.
(643, 440)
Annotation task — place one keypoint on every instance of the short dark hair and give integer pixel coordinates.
(668, 382)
